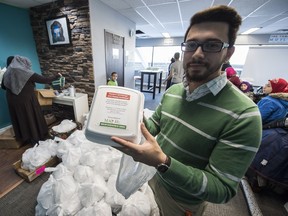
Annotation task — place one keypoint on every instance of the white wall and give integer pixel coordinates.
(264, 63)
(103, 18)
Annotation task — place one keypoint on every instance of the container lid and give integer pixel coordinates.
(115, 111)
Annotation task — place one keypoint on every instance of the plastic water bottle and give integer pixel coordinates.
(72, 91)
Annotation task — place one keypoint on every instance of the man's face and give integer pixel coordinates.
(202, 66)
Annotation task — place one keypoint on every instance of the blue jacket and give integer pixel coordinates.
(273, 108)
(271, 160)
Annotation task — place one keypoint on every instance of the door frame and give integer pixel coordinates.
(114, 33)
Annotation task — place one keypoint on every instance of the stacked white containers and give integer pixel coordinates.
(115, 111)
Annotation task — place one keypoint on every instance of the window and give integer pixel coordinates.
(156, 57)
(143, 57)
(239, 57)
(159, 57)
(240, 54)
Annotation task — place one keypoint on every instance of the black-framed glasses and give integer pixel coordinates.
(207, 46)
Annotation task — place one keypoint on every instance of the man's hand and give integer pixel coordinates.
(148, 153)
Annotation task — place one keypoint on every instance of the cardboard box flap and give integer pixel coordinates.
(29, 176)
(47, 93)
(45, 96)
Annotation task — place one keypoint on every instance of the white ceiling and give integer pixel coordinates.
(154, 17)
(25, 3)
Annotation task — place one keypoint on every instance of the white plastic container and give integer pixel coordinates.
(115, 111)
(72, 91)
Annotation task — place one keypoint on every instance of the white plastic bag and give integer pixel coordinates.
(45, 196)
(132, 175)
(65, 126)
(91, 193)
(112, 197)
(100, 209)
(35, 157)
(137, 204)
(65, 192)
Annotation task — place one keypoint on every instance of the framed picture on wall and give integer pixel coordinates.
(58, 31)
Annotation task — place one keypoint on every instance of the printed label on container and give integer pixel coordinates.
(115, 114)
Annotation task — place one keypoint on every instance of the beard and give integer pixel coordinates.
(202, 74)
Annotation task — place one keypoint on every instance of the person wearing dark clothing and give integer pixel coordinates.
(269, 168)
(25, 112)
(169, 70)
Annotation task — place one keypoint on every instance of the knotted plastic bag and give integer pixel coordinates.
(132, 175)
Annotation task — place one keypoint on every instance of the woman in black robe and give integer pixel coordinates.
(25, 111)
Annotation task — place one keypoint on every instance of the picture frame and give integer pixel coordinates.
(58, 31)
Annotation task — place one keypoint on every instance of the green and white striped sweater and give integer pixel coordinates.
(211, 142)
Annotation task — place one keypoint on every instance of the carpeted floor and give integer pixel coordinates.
(237, 206)
(22, 200)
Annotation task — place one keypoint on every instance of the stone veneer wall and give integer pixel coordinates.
(74, 61)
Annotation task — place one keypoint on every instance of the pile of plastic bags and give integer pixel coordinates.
(84, 183)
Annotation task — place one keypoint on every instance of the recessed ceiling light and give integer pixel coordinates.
(250, 31)
(166, 35)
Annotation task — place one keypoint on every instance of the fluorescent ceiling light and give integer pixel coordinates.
(166, 35)
(250, 30)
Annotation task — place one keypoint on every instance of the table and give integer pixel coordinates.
(151, 88)
(78, 105)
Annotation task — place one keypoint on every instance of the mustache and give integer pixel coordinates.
(196, 61)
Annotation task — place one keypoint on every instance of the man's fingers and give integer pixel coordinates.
(146, 133)
(125, 146)
(132, 146)
(122, 142)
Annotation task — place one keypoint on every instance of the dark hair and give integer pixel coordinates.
(176, 55)
(113, 73)
(225, 65)
(9, 60)
(220, 13)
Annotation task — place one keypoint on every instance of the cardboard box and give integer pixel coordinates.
(30, 176)
(7, 139)
(45, 96)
